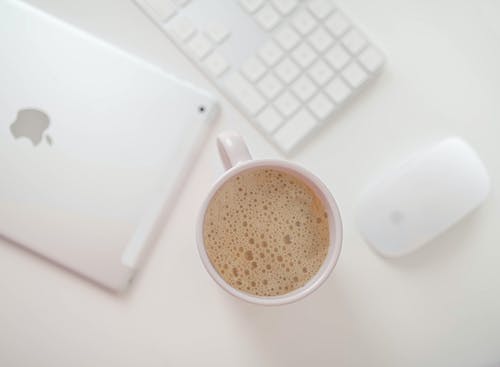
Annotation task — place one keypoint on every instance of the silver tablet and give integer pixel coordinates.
(93, 143)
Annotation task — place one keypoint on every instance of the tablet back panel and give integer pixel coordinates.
(93, 143)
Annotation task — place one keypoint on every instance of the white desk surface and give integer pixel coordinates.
(437, 307)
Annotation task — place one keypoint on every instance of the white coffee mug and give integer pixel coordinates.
(236, 159)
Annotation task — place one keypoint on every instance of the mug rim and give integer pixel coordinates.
(335, 233)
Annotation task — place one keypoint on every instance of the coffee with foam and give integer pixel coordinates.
(266, 232)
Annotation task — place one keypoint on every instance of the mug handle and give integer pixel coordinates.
(232, 149)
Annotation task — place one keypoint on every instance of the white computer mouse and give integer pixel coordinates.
(417, 201)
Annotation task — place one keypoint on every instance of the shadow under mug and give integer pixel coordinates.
(236, 159)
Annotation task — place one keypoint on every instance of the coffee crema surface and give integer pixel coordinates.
(266, 232)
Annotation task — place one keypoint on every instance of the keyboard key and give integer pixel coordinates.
(199, 46)
(354, 74)
(304, 88)
(270, 86)
(269, 119)
(270, 53)
(180, 28)
(215, 64)
(371, 59)
(287, 104)
(321, 8)
(291, 133)
(253, 69)
(287, 70)
(251, 5)
(181, 3)
(287, 37)
(244, 93)
(354, 41)
(267, 17)
(321, 72)
(337, 24)
(304, 22)
(320, 39)
(163, 10)
(338, 90)
(304, 55)
(337, 56)
(321, 106)
(217, 32)
(285, 6)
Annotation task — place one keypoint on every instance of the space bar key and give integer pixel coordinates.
(244, 94)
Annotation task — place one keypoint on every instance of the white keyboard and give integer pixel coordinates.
(288, 65)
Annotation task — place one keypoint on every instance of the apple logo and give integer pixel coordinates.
(31, 123)
(397, 217)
